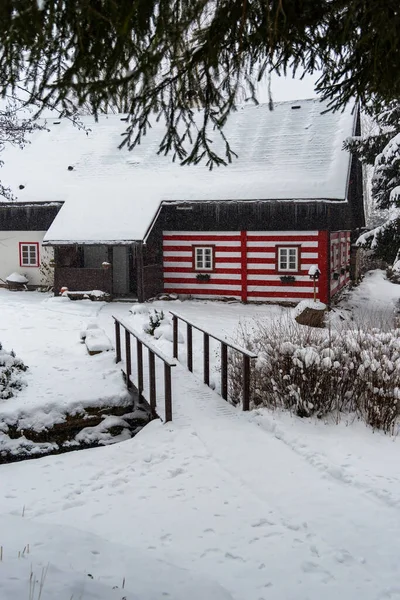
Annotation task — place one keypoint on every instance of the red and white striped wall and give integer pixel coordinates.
(340, 260)
(245, 265)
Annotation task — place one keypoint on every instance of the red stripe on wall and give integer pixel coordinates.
(261, 261)
(213, 281)
(202, 238)
(204, 291)
(282, 238)
(190, 270)
(189, 259)
(275, 282)
(271, 261)
(189, 248)
(243, 246)
(297, 295)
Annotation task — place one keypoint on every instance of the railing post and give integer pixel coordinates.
(206, 358)
(224, 370)
(152, 382)
(175, 335)
(189, 347)
(167, 393)
(128, 358)
(139, 352)
(117, 342)
(246, 382)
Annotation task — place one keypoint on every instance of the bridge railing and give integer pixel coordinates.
(247, 356)
(152, 354)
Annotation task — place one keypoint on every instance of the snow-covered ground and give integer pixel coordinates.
(45, 333)
(217, 504)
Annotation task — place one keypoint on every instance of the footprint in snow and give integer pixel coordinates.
(176, 472)
(262, 523)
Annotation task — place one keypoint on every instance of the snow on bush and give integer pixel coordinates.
(314, 372)
(10, 374)
(155, 319)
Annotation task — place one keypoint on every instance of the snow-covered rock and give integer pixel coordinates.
(96, 339)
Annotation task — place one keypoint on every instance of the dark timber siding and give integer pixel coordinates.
(27, 217)
(250, 216)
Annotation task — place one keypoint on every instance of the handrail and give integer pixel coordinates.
(246, 356)
(215, 337)
(145, 342)
(152, 353)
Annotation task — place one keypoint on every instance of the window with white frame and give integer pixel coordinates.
(29, 254)
(203, 258)
(288, 258)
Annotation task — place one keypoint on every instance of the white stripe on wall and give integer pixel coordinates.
(178, 253)
(219, 254)
(275, 277)
(273, 244)
(221, 233)
(278, 288)
(274, 300)
(202, 286)
(281, 233)
(191, 243)
(261, 255)
(193, 276)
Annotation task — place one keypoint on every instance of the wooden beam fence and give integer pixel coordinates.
(247, 356)
(152, 354)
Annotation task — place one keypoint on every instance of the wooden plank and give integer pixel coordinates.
(224, 341)
(206, 358)
(152, 380)
(117, 341)
(139, 352)
(146, 343)
(175, 328)
(246, 382)
(189, 347)
(167, 393)
(224, 371)
(128, 358)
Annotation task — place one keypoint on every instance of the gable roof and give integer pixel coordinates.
(291, 153)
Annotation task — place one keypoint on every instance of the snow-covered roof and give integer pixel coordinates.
(292, 152)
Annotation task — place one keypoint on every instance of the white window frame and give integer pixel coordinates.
(285, 250)
(199, 252)
(27, 262)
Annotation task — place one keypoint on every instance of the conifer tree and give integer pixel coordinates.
(382, 149)
(164, 58)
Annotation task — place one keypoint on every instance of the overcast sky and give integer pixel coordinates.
(287, 88)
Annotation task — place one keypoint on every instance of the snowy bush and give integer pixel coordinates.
(10, 374)
(312, 372)
(155, 319)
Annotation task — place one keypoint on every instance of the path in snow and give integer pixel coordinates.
(229, 496)
(336, 523)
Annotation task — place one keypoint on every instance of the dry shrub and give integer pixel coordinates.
(321, 372)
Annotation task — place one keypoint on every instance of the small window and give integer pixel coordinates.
(203, 258)
(288, 259)
(29, 254)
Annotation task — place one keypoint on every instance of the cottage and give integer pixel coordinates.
(136, 224)
(22, 229)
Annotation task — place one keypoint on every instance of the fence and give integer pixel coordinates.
(152, 354)
(246, 356)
